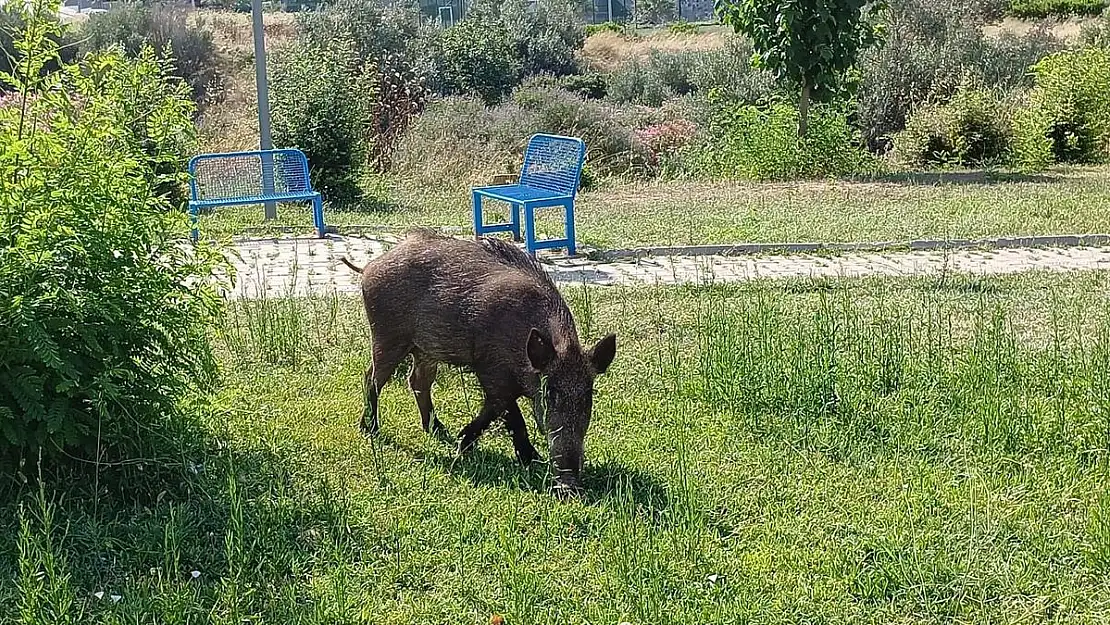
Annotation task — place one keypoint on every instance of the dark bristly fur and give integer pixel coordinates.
(489, 307)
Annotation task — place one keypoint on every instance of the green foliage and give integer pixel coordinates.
(608, 27)
(682, 27)
(476, 57)
(762, 143)
(104, 312)
(928, 48)
(459, 140)
(1067, 117)
(12, 22)
(394, 41)
(655, 11)
(135, 25)
(590, 86)
(973, 130)
(810, 45)
(1045, 8)
(322, 102)
(546, 34)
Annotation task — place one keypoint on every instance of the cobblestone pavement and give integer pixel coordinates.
(296, 266)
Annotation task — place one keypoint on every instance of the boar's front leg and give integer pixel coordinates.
(491, 410)
(514, 421)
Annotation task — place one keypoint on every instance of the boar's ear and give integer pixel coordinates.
(540, 350)
(601, 356)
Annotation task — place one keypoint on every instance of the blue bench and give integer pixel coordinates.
(258, 177)
(549, 178)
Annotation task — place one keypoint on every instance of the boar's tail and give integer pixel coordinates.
(353, 266)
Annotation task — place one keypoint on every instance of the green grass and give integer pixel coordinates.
(875, 451)
(1046, 8)
(956, 205)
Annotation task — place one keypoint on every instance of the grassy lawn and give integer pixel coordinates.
(686, 213)
(869, 451)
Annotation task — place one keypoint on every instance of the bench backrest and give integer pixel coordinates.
(553, 163)
(257, 174)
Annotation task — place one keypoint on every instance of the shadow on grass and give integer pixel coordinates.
(968, 178)
(603, 482)
(202, 521)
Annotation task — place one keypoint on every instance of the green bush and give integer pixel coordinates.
(682, 27)
(476, 57)
(727, 73)
(396, 43)
(1045, 8)
(104, 312)
(1067, 116)
(460, 140)
(12, 20)
(928, 49)
(136, 25)
(762, 143)
(322, 102)
(589, 86)
(608, 27)
(973, 130)
(546, 35)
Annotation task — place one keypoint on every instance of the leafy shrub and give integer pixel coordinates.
(972, 130)
(655, 11)
(661, 76)
(546, 35)
(612, 149)
(682, 27)
(665, 142)
(1045, 8)
(103, 312)
(12, 22)
(928, 49)
(727, 73)
(135, 25)
(393, 40)
(762, 143)
(322, 102)
(460, 140)
(607, 27)
(476, 57)
(1067, 117)
(589, 86)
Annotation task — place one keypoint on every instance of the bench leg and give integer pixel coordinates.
(477, 215)
(529, 228)
(318, 216)
(193, 216)
(570, 228)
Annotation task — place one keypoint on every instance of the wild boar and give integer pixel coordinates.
(488, 307)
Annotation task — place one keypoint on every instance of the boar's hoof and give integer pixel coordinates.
(563, 490)
(466, 441)
(439, 431)
(527, 455)
(368, 427)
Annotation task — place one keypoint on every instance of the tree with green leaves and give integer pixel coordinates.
(809, 43)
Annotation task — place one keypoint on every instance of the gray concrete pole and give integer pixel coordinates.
(264, 139)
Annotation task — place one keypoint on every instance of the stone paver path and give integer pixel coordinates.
(296, 266)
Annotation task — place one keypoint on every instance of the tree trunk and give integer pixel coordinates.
(803, 109)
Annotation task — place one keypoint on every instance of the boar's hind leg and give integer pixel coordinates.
(385, 361)
(420, 381)
(514, 421)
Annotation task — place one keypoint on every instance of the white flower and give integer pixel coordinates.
(99, 594)
(195, 574)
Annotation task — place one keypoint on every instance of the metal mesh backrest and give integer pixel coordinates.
(553, 164)
(241, 175)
